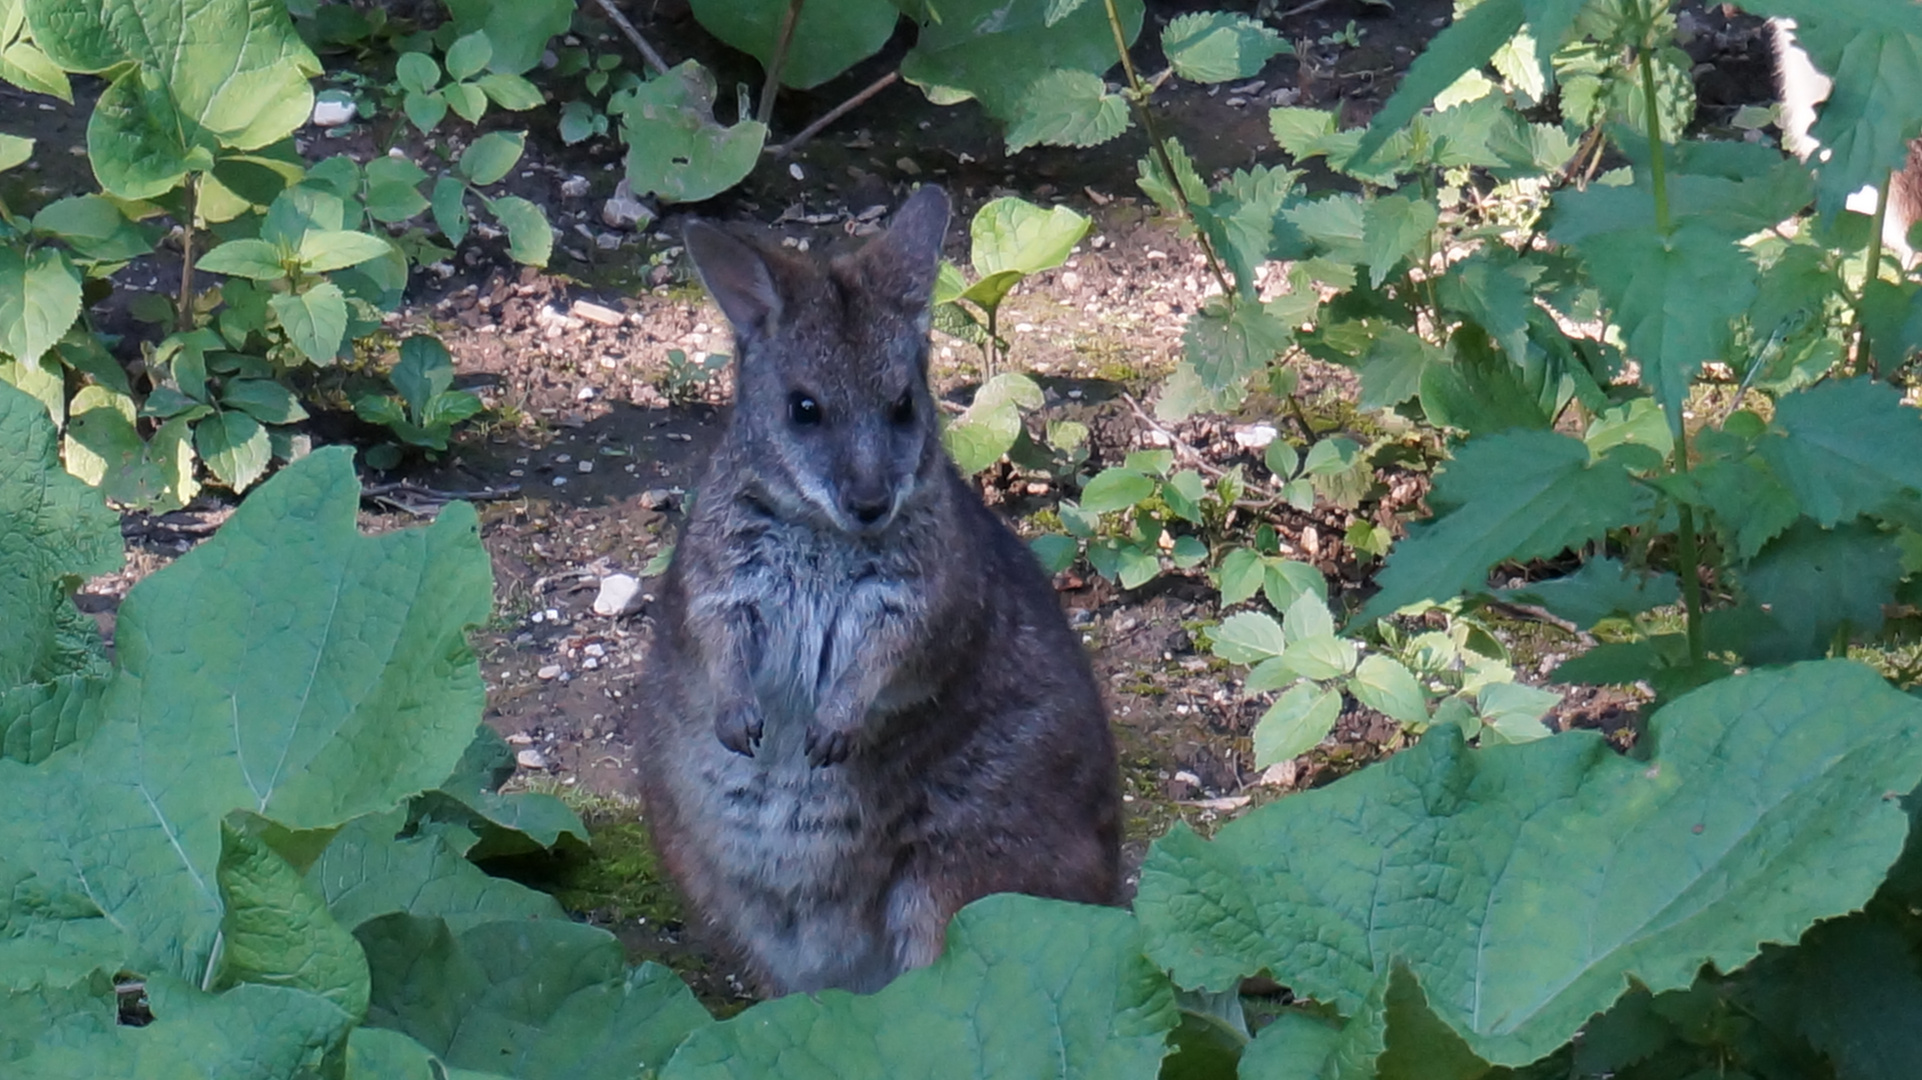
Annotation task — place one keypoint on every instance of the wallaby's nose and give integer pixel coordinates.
(866, 507)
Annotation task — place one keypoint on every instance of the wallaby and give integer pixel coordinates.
(862, 707)
(1802, 88)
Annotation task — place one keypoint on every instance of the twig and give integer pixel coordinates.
(776, 62)
(1301, 9)
(403, 487)
(780, 150)
(1181, 447)
(647, 52)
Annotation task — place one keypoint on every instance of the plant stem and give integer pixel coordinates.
(776, 62)
(994, 339)
(648, 55)
(783, 149)
(1864, 356)
(184, 313)
(1138, 97)
(1688, 554)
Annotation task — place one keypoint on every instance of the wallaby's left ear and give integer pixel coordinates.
(901, 263)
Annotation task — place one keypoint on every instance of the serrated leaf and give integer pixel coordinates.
(1393, 228)
(1384, 685)
(1227, 348)
(1067, 108)
(315, 320)
(1816, 583)
(1285, 580)
(1464, 46)
(1601, 587)
(288, 666)
(1674, 297)
(1296, 723)
(257, 260)
(1027, 987)
(1216, 46)
(1519, 495)
(39, 300)
(1324, 656)
(967, 48)
(1447, 857)
(1241, 575)
(1248, 638)
(1845, 447)
(1512, 713)
(675, 148)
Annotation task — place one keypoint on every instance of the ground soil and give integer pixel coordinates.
(593, 441)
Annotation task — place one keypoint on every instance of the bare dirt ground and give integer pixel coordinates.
(593, 440)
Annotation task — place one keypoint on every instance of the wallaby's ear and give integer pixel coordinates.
(736, 276)
(901, 263)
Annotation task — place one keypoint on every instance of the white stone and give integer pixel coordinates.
(624, 211)
(620, 595)
(1255, 436)
(332, 112)
(551, 671)
(531, 759)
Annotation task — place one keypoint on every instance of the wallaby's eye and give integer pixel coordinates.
(903, 412)
(803, 409)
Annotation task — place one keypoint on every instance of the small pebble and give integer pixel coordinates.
(620, 595)
(551, 671)
(531, 758)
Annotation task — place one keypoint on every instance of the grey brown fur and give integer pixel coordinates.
(862, 708)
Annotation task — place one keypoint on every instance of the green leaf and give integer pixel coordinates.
(276, 930)
(1241, 576)
(1512, 713)
(1215, 46)
(14, 151)
(1393, 228)
(1285, 580)
(510, 92)
(1448, 857)
(518, 31)
(1296, 723)
(1857, 996)
(525, 998)
(393, 189)
(58, 533)
(826, 40)
(1384, 685)
(978, 437)
(514, 823)
(465, 99)
(492, 157)
(1464, 46)
(1601, 587)
(1247, 638)
(468, 55)
(1055, 552)
(39, 300)
(263, 399)
(450, 209)
(234, 446)
(1324, 656)
(425, 369)
(1845, 447)
(1116, 488)
(530, 240)
(370, 869)
(186, 82)
(324, 250)
(425, 109)
(417, 72)
(1674, 296)
(1520, 495)
(1816, 583)
(94, 227)
(288, 666)
(1228, 347)
(966, 48)
(315, 320)
(254, 259)
(1067, 107)
(1027, 987)
(1014, 234)
(675, 149)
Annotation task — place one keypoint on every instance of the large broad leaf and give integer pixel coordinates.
(518, 31)
(675, 148)
(1067, 107)
(996, 51)
(1815, 583)
(1850, 447)
(830, 37)
(524, 998)
(1526, 885)
(39, 300)
(516, 823)
(1873, 52)
(290, 667)
(1600, 588)
(250, 1030)
(189, 80)
(58, 532)
(276, 930)
(369, 870)
(1520, 495)
(1014, 234)
(1216, 46)
(1026, 987)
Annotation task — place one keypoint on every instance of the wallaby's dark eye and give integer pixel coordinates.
(803, 409)
(904, 409)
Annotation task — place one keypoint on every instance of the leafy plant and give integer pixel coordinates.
(688, 380)
(425, 412)
(1012, 239)
(467, 85)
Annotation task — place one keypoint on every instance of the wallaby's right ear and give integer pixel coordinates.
(737, 277)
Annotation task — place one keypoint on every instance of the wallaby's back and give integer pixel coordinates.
(862, 707)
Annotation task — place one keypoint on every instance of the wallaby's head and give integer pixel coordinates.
(831, 365)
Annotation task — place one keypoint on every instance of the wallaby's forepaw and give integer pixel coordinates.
(826, 746)
(739, 727)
